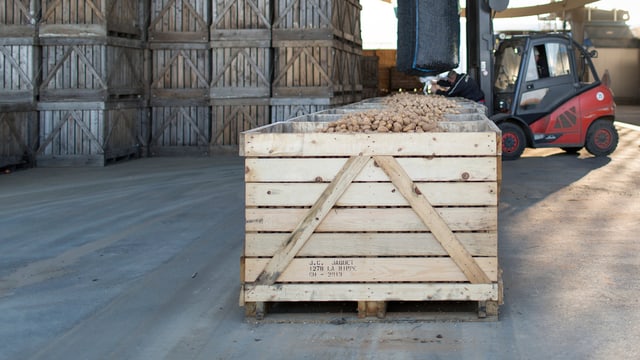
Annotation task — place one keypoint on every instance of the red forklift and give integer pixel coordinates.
(541, 90)
(547, 93)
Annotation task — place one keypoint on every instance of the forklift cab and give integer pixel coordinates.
(548, 94)
(535, 74)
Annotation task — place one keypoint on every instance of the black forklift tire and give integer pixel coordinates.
(602, 138)
(513, 141)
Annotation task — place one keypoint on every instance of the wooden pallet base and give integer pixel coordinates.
(340, 312)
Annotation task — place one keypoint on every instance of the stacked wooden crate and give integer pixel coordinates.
(317, 49)
(180, 77)
(91, 94)
(241, 69)
(371, 218)
(18, 82)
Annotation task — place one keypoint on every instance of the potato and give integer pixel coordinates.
(401, 113)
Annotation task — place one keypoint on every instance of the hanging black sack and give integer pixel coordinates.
(428, 36)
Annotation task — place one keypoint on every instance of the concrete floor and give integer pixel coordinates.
(140, 260)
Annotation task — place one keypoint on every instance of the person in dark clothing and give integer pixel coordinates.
(460, 85)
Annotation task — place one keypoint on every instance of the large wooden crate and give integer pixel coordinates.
(123, 18)
(315, 68)
(18, 135)
(19, 59)
(317, 20)
(241, 64)
(371, 218)
(92, 69)
(180, 73)
(89, 133)
(230, 117)
(180, 129)
(231, 15)
(179, 21)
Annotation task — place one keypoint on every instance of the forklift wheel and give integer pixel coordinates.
(513, 141)
(602, 138)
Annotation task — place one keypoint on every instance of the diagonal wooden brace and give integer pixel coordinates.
(281, 259)
(441, 231)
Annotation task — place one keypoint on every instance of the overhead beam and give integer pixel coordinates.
(555, 7)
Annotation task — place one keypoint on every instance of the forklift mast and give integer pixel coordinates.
(480, 44)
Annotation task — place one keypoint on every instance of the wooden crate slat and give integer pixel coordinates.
(372, 292)
(369, 244)
(317, 144)
(371, 194)
(324, 169)
(374, 219)
(369, 269)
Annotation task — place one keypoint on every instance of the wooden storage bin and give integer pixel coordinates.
(180, 73)
(19, 59)
(123, 18)
(92, 69)
(179, 21)
(315, 68)
(180, 129)
(230, 117)
(369, 217)
(317, 20)
(241, 64)
(89, 133)
(18, 134)
(230, 15)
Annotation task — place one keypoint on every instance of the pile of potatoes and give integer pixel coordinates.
(402, 113)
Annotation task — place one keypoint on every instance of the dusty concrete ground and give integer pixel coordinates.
(140, 260)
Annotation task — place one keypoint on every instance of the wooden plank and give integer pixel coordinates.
(372, 292)
(434, 221)
(370, 244)
(303, 230)
(371, 220)
(396, 144)
(371, 194)
(369, 269)
(324, 169)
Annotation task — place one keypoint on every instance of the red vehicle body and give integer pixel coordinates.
(548, 94)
